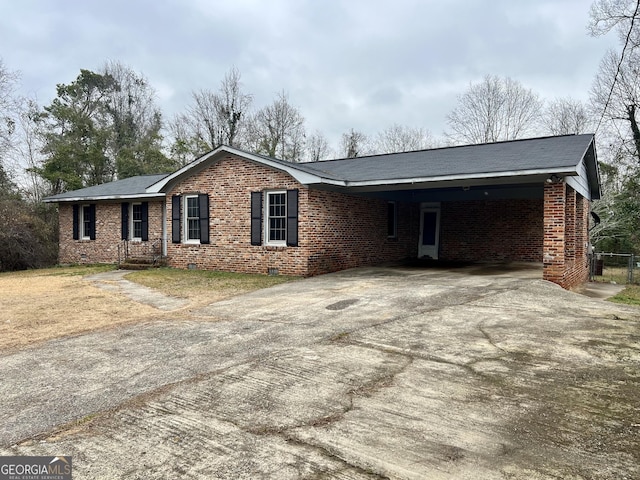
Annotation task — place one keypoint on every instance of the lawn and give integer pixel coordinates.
(39, 305)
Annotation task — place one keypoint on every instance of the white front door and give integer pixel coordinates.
(429, 230)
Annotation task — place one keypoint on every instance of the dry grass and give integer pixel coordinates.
(40, 305)
(201, 286)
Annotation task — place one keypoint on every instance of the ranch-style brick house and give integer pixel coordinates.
(230, 210)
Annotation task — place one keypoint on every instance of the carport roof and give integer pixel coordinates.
(544, 154)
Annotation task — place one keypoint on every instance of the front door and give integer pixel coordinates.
(429, 230)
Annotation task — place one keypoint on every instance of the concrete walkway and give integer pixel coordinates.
(365, 374)
(114, 281)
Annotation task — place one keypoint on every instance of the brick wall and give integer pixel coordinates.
(492, 230)
(104, 249)
(336, 231)
(348, 231)
(565, 235)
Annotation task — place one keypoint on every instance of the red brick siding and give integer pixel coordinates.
(492, 230)
(565, 235)
(336, 231)
(104, 249)
(347, 231)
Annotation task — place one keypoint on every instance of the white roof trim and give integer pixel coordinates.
(104, 197)
(306, 178)
(473, 176)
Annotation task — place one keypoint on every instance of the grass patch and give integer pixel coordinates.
(193, 283)
(67, 270)
(630, 296)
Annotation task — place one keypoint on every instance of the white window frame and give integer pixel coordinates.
(267, 218)
(185, 226)
(132, 223)
(85, 216)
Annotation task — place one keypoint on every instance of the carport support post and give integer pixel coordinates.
(554, 232)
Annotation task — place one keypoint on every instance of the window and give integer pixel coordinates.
(192, 219)
(86, 222)
(136, 221)
(392, 220)
(276, 216)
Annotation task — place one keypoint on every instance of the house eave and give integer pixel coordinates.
(432, 182)
(98, 198)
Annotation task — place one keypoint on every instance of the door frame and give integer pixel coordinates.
(429, 250)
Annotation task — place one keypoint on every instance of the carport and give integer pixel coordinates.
(519, 201)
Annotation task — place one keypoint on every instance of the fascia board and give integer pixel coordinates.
(466, 176)
(104, 198)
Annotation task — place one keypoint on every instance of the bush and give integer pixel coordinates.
(28, 234)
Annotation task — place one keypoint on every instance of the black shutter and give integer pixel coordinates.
(256, 218)
(124, 221)
(76, 222)
(92, 221)
(292, 218)
(144, 210)
(175, 219)
(203, 209)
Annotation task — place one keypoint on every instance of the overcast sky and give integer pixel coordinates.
(344, 63)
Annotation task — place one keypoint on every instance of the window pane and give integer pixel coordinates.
(86, 222)
(192, 207)
(137, 212)
(193, 229)
(136, 216)
(193, 218)
(277, 216)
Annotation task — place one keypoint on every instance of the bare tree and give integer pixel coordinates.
(400, 138)
(492, 110)
(354, 144)
(29, 151)
(213, 118)
(318, 147)
(277, 130)
(9, 109)
(615, 95)
(565, 116)
(621, 15)
(231, 108)
(136, 121)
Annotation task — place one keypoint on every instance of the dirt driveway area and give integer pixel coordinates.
(365, 374)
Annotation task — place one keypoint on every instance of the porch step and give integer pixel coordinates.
(140, 263)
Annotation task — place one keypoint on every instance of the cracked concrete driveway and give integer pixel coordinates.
(368, 373)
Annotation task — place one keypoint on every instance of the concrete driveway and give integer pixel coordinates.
(368, 373)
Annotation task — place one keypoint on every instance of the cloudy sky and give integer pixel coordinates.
(362, 64)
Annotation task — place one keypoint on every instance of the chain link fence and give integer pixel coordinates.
(621, 268)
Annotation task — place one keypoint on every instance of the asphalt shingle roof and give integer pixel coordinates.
(561, 153)
(519, 155)
(128, 186)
